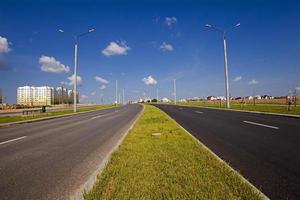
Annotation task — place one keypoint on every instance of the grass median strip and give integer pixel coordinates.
(268, 108)
(9, 119)
(159, 160)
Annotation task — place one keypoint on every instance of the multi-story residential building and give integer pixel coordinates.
(35, 96)
(61, 95)
(71, 97)
(44, 96)
(1, 97)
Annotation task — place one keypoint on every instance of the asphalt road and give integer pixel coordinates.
(265, 149)
(52, 159)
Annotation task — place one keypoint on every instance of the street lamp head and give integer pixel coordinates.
(60, 30)
(238, 24)
(92, 30)
(208, 25)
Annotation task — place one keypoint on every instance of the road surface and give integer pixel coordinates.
(52, 159)
(264, 148)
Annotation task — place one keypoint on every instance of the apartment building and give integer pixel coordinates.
(44, 96)
(1, 96)
(71, 97)
(61, 95)
(35, 96)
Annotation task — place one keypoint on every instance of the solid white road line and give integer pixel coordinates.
(19, 138)
(199, 112)
(258, 124)
(97, 117)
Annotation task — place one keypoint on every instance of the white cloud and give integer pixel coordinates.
(253, 82)
(170, 21)
(238, 78)
(101, 80)
(166, 47)
(102, 87)
(297, 88)
(72, 80)
(149, 80)
(93, 93)
(84, 96)
(4, 45)
(50, 64)
(116, 48)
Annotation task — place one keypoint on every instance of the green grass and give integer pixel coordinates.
(49, 114)
(270, 108)
(170, 166)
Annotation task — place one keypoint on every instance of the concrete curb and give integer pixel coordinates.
(246, 111)
(87, 186)
(218, 158)
(47, 118)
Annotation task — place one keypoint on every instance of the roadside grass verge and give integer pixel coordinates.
(269, 108)
(8, 119)
(170, 166)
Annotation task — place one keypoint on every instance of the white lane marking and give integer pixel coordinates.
(264, 125)
(97, 117)
(180, 108)
(19, 138)
(199, 112)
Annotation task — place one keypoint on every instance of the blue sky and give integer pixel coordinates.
(161, 39)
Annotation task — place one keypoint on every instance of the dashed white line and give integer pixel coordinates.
(199, 112)
(97, 117)
(258, 124)
(12, 140)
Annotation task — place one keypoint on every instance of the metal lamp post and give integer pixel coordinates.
(175, 95)
(76, 37)
(225, 58)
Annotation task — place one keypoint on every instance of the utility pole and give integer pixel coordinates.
(157, 94)
(175, 98)
(225, 58)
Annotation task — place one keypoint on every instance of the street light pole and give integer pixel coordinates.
(175, 97)
(226, 72)
(75, 77)
(76, 37)
(116, 92)
(123, 101)
(227, 94)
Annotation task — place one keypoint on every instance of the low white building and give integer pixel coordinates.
(267, 96)
(195, 99)
(221, 98)
(211, 98)
(165, 100)
(257, 97)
